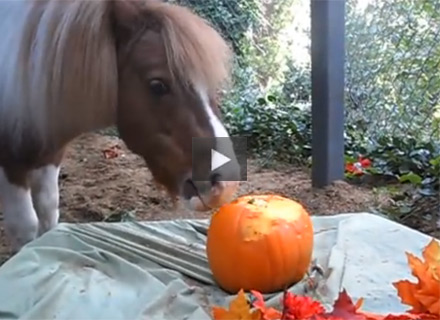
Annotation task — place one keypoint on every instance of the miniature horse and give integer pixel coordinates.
(68, 67)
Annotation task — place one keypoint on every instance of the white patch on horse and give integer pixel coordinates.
(45, 196)
(217, 126)
(20, 219)
(224, 146)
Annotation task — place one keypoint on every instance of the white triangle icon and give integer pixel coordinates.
(218, 159)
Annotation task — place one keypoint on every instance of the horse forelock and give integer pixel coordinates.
(60, 75)
(197, 54)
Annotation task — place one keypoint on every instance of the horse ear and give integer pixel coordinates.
(126, 14)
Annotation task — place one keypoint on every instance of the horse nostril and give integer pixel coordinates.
(215, 179)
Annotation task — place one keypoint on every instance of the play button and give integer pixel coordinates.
(218, 160)
(224, 158)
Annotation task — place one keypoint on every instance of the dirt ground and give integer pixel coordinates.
(93, 187)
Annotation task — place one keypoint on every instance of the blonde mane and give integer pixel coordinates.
(58, 74)
(196, 53)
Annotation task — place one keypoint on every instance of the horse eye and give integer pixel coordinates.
(158, 88)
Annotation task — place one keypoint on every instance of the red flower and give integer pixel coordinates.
(357, 168)
(300, 307)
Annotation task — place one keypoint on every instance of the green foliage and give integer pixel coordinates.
(408, 160)
(298, 84)
(266, 47)
(392, 82)
(281, 130)
(392, 91)
(393, 59)
(255, 30)
(231, 18)
(275, 130)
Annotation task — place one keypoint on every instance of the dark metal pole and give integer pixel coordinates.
(328, 55)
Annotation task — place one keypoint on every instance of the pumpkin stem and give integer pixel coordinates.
(251, 201)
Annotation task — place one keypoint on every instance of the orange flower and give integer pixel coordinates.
(423, 296)
(301, 307)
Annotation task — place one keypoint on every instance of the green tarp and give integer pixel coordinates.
(158, 270)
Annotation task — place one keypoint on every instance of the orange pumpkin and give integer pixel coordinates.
(259, 242)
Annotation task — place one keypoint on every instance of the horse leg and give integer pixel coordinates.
(45, 196)
(20, 219)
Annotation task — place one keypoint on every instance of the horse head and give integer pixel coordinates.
(172, 65)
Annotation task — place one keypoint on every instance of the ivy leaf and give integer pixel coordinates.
(412, 178)
(271, 98)
(435, 161)
(427, 192)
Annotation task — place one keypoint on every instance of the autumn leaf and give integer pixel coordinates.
(266, 313)
(239, 309)
(343, 308)
(405, 316)
(427, 316)
(409, 316)
(423, 296)
(295, 307)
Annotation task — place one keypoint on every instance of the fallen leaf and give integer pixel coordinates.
(266, 313)
(423, 296)
(325, 317)
(359, 303)
(409, 316)
(405, 316)
(431, 253)
(374, 316)
(345, 309)
(239, 309)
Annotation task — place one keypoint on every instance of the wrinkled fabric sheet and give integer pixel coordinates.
(158, 270)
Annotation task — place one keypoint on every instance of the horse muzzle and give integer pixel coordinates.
(207, 195)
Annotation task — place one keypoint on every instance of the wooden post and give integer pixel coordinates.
(328, 55)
